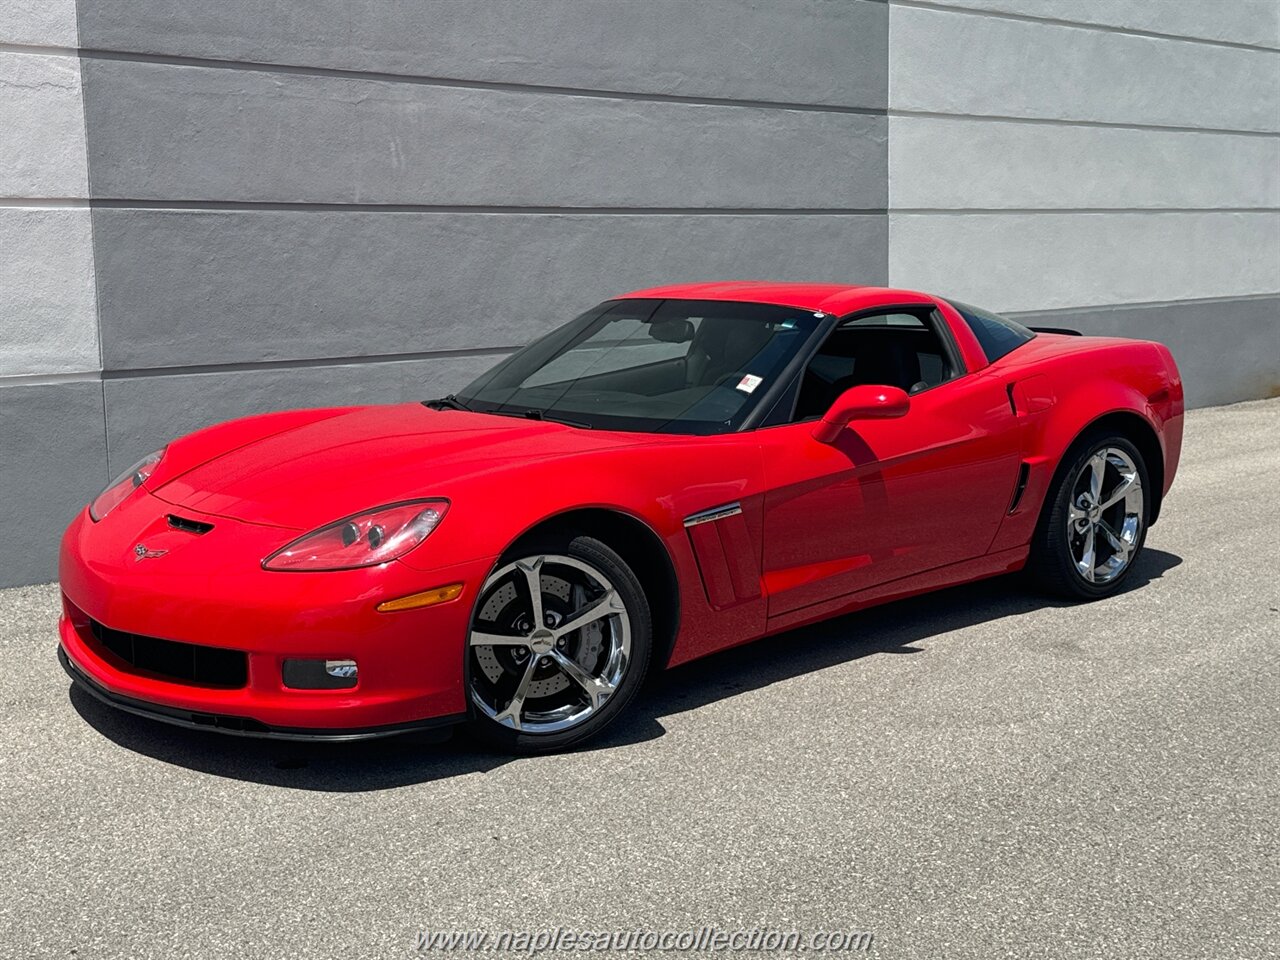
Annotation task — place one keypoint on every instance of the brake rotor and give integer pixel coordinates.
(559, 599)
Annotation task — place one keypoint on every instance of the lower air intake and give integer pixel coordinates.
(171, 660)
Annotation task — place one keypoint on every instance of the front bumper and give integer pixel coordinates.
(211, 591)
(240, 726)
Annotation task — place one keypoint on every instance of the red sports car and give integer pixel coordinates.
(676, 471)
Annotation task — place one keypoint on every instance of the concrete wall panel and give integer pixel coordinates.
(48, 322)
(49, 23)
(1042, 261)
(958, 163)
(198, 287)
(1232, 21)
(177, 132)
(806, 51)
(54, 460)
(1226, 349)
(948, 62)
(145, 413)
(42, 150)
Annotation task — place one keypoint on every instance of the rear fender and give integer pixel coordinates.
(1048, 436)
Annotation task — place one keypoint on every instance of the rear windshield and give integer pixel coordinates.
(996, 335)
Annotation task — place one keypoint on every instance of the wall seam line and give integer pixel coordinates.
(1083, 25)
(501, 86)
(301, 363)
(93, 249)
(250, 366)
(1143, 304)
(907, 112)
(1070, 211)
(251, 206)
(287, 206)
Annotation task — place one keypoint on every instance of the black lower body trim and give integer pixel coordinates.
(241, 726)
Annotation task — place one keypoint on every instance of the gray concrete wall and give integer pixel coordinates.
(1112, 164)
(53, 451)
(212, 209)
(221, 208)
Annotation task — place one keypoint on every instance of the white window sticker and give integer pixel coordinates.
(749, 382)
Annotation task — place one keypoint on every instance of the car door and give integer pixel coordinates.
(889, 498)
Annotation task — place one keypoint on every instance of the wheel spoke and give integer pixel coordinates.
(598, 690)
(528, 672)
(1118, 543)
(479, 639)
(511, 715)
(1127, 484)
(607, 605)
(532, 570)
(1075, 514)
(1097, 470)
(1088, 558)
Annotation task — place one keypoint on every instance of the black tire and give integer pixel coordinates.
(604, 559)
(1051, 565)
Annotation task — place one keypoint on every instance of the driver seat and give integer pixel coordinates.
(722, 345)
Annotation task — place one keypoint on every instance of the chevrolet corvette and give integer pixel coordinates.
(676, 471)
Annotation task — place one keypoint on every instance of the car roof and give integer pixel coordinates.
(834, 298)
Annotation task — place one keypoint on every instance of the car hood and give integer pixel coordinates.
(323, 470)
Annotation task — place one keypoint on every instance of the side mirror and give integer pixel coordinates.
(865, 402)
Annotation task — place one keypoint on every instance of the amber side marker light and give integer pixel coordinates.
(427, 598)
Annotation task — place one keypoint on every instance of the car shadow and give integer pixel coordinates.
(895, 628)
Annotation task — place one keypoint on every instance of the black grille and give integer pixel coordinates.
(183, 662)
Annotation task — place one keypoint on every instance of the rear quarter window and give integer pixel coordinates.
(996, 335)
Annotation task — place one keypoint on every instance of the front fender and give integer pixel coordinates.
(657, 484)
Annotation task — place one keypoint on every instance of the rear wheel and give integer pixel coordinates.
(559, 644)
(1095, 521)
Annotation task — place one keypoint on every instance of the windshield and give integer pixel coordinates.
(667, 366)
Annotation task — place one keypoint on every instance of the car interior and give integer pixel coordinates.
(701, 368)
(899, 350)
(687, 367)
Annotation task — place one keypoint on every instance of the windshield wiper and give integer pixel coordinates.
(535, 414)
(450, 402)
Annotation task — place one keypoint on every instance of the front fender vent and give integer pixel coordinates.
(1024, 474)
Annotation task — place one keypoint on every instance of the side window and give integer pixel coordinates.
(898, 349)
(996, 335)
(886, 320)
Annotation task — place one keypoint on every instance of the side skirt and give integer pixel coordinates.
(990, 565)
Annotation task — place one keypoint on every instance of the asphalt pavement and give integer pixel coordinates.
(979, 773)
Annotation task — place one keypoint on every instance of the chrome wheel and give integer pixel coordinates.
(1105, 515)
(550, 644)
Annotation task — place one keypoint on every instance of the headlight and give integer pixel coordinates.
(368, 538)
(120, 488)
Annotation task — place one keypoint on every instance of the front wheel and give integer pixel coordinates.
(1095, 522)
(559, 644)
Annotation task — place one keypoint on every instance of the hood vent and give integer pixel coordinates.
(190, 526)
